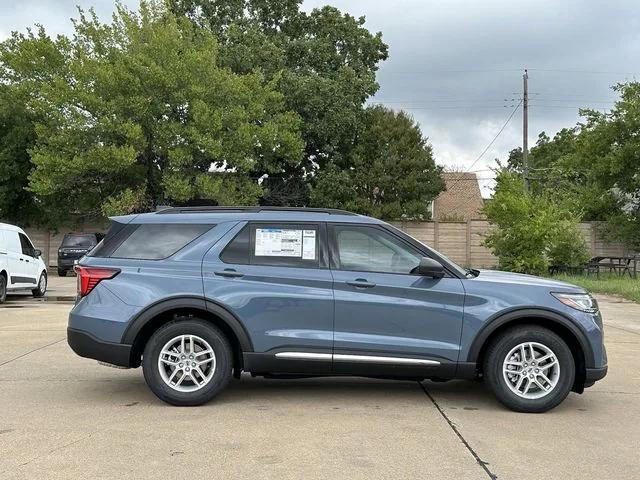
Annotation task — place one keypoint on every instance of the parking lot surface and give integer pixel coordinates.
(62, 416)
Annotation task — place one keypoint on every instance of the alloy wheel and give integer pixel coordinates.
(531, 370)
(187, 363)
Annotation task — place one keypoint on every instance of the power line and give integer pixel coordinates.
(591, 72)
(492, 141)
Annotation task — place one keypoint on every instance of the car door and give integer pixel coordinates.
(389, 321)
(19, 272)
(274, 277)
(31, 263)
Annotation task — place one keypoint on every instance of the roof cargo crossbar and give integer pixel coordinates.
(258, 209)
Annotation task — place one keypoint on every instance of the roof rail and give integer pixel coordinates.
(257, 209)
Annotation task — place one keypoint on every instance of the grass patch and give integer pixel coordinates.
(626, 287)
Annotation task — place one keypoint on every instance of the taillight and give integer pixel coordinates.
(89, 277)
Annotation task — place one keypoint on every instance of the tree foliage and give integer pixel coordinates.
(325, 62)
(390, 173)
(595, 164)
(16, 137)
(532, 231)
(138, 112)
(209, 101)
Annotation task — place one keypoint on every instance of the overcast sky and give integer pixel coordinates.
(453, 63)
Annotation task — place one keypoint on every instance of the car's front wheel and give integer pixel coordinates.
(529, 368)
(3, 288)
(187, 362)
(42, 286)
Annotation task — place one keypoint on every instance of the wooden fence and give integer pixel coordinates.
(460, 241)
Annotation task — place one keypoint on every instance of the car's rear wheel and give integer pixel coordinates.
(62, 272)
(187, 362)
(529, 368)
(42, 286)
(3, 288)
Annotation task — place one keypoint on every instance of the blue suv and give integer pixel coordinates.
(196, 295)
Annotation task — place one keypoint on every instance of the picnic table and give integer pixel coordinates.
(614, 264)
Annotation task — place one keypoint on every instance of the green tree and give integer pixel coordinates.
(17, 204)
(325, 62)
(139, 112)
(532, 231)
(609, 153)
(390, 173)
(595, 165)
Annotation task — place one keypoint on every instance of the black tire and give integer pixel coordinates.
(500, 348)
(62, 273)
(42, 288)
(223, 356)
(3, 288)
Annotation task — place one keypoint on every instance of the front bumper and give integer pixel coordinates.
(86, 345)
(67, 262)
(595, 374)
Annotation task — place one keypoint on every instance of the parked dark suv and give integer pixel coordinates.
(196, 295)
(73, 247)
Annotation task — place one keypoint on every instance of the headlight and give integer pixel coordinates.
(580, 301)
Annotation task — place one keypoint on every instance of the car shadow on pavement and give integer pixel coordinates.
(348, 390)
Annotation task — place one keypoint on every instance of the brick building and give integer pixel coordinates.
(461, 201)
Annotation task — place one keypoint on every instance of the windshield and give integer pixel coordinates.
(79, 241)
(446, 261)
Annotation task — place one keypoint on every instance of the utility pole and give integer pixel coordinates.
(525, 129)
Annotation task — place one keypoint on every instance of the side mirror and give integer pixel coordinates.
(430, 268)
(37, 253)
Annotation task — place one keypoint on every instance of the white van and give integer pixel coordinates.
(21, 265)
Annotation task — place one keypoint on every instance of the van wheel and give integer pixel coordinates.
(62, 273)
(529, 369)
(42, 286)
(3, 288)
(187, 362)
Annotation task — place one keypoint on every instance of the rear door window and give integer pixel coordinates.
(278, 244)
(237, 251)
(158, 241)
(285, 244)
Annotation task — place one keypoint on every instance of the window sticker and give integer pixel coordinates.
(284, 242)
(278, 242)
(308, 244)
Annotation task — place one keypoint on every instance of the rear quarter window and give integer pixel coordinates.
(158, 241)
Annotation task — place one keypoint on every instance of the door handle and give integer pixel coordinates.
(361, 283)
(228, 273)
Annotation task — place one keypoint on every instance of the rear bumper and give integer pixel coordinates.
(86, 345)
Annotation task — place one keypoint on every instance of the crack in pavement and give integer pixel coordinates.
(55, 449)
(30, 352)
(480, 462)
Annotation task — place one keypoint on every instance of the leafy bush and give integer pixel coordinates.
(532, 231)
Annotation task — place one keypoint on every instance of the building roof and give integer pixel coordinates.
(461, 200)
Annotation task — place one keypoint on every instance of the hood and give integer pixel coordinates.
(522, 279)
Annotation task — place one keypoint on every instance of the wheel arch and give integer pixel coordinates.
(559, 324)
(148, 321)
